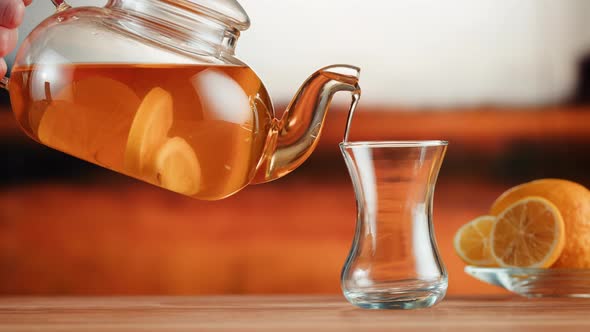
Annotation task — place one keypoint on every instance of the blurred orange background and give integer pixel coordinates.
(507, 86)
(69, 227)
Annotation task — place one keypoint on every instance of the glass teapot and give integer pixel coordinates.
(152, 89)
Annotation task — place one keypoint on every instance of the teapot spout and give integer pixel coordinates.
(296, 135)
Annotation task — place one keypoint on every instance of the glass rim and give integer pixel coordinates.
(394, 144)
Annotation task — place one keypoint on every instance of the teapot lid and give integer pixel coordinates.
(227, 11)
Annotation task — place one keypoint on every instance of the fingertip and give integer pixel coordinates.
(19, 14)
(11, 13)
(27, 2)
(3, 67)
(8, 40)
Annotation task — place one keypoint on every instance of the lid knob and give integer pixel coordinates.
(229, 12)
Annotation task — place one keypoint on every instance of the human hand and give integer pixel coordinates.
(11, 16)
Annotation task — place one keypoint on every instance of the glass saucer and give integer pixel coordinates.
(532, 282)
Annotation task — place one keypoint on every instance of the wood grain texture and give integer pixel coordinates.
(285, 313)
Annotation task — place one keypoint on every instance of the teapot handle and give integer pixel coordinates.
(60, 5)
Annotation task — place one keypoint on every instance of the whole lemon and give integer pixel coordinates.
(573, 201)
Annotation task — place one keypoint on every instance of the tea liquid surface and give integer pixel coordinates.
(194, 129)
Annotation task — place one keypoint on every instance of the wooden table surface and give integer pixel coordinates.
(290, 313)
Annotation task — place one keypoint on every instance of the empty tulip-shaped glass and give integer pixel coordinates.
(394, 261)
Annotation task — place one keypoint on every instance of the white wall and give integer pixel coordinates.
(415, 52)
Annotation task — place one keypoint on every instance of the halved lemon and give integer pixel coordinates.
(472, 241)
(573, 201)
(528, 233)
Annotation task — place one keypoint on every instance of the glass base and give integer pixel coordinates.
(398, 297)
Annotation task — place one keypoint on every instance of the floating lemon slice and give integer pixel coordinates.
(472, 241)
(529, 233)
(148, 132)
(177, 167)
(63, 128)
(89, 125)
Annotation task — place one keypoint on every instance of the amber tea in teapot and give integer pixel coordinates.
(194, 132)
(152, 89)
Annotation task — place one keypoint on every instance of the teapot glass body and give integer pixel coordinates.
(152, 89)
